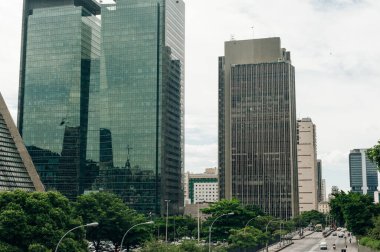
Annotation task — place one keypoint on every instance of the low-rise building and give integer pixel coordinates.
(324, 207)
(202, 187)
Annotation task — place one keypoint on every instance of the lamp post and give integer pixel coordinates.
(246, 225)
(266, 230)
(122, 240)
(199, 222)
(94, 224)
(209, 230)
(167, 219)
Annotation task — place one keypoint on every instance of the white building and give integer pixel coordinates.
(307, 165)
(202, 187)
(323, 207)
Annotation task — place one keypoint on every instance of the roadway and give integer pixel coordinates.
(311, 243)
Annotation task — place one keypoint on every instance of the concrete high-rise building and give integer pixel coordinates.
(319, 180)
(363, 173)
(323, 190)
(257, 126)
(101, 99)
(307, 165)
(16, 167)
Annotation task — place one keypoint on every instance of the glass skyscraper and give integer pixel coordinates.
(101, 99)
(140, 103)
(258, 127)
(363, 173)
(59, 62)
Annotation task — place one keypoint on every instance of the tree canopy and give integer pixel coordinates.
(114, 218)
(309, 217)
(374, 154)
(354, 210)
(249, 237)
(242, 214)
(31, 220)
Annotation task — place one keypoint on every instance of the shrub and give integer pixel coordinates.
(38, 248)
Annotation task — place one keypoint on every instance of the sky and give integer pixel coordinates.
(334, 47)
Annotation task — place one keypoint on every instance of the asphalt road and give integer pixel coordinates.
(311, 244)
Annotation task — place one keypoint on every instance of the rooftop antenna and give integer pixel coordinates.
(253, 34)
(232, 37)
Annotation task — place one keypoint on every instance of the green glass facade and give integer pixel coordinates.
(61, 60)
(101, 104)
(141, 103)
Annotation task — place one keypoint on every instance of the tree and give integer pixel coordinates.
(242, 214)
(314, 217)
(114, 218)
(247, 238)
(38, 218)
(375, 232)
(355, 210)
(374, 154)
(178, 226)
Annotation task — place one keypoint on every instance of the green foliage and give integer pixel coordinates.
(314, 217)
(374, 233)
(374, 154)
(369, 242)
(178, 227)
(114, 218)
(37, 218)
(159, 246)
(247, 238)
(191, 246)
(337, 207)
(221, 228)
(38, 248)
(354, 210)
(4, 247)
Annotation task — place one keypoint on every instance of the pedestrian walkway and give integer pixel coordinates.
(285, 243)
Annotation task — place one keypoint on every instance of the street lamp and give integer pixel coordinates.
(94, 224)
(122, 240)
(266, 230)
(199, 233)
(246, 225)
(167, 219)
(209, 230)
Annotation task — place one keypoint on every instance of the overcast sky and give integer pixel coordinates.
(335, 50)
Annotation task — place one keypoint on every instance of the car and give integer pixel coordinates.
(334, 234)
(341, 235)
(323, 245)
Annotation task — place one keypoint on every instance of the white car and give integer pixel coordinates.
(323, 245)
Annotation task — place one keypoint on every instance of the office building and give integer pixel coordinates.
(202, 187)
(319, 180)
(307, 165)
(101, 99)
(323, 190)
(59, 63)
(16, 167)
(258, 126)
(363, 173)
(324, 207)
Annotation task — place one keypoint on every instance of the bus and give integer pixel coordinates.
(318, 228)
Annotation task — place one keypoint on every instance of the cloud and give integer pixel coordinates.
(199, 157)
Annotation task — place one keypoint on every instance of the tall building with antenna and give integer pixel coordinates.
(258, 126)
